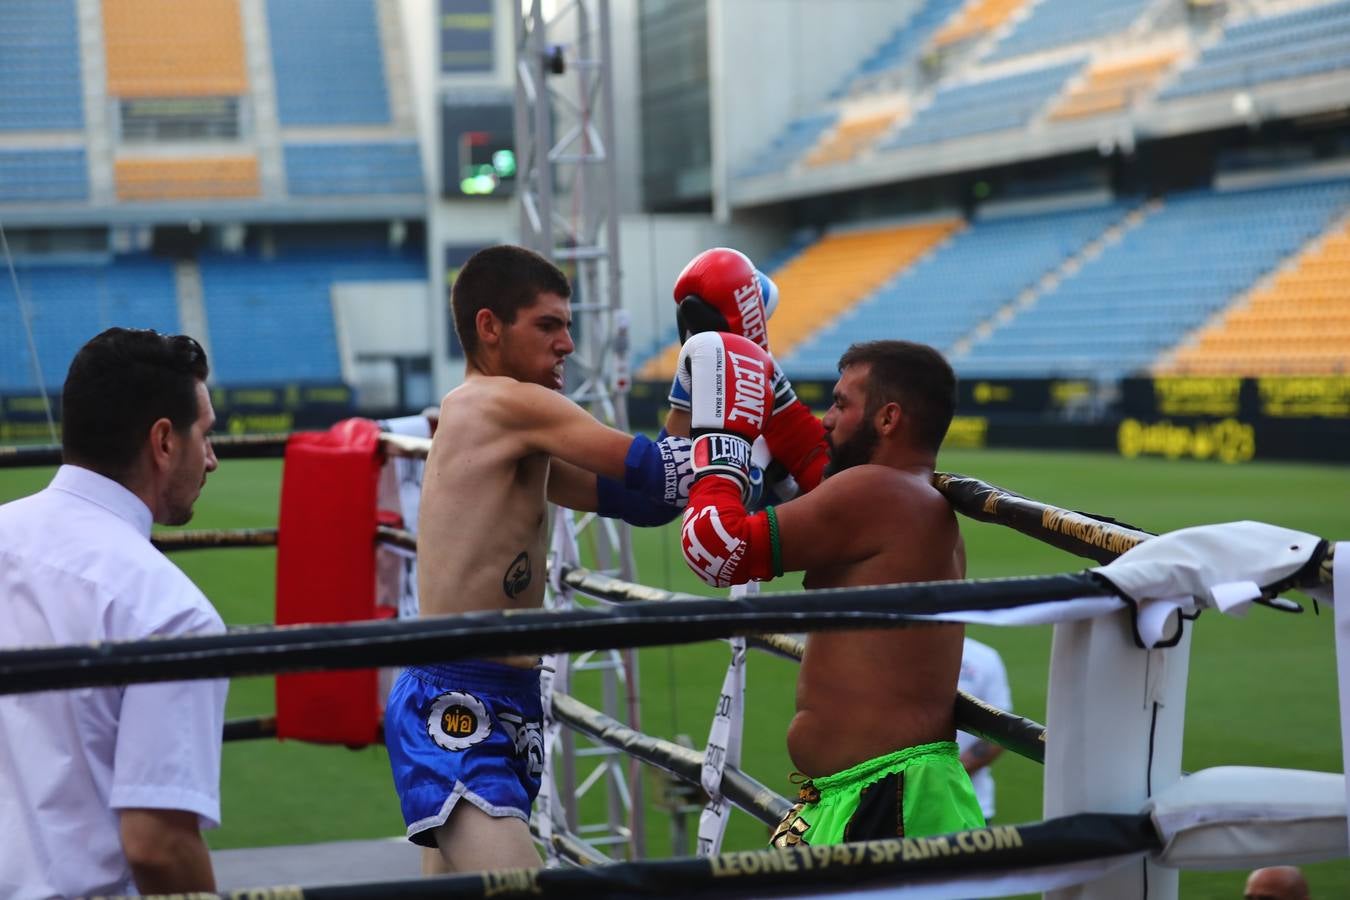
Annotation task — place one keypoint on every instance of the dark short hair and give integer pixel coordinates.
(119, 384)
(504, 279)
(914, 375)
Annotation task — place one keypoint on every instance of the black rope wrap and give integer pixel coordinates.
(213, 539)
(1098, 538)
(360, 645)
(797, 871)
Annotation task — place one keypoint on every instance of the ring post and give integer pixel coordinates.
(1114, 722)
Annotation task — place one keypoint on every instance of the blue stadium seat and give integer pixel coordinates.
(900, 47)
(965, 281)
(40, 86)
(325, 169)
(1057, 23)
(272, 319)
(72, 303)
(327, 61)
(1165, 278)
(43, 176)
(1270, 48)
(983, 106)
(797, 137)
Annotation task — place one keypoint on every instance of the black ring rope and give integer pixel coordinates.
(682, 762)
(360, 645)
(801, 870)
(1019, 734)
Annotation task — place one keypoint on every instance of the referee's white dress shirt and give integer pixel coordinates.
(983, 675)
(76, 565)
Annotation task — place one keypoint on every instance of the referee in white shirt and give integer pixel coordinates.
(982, 675)
(106, 790)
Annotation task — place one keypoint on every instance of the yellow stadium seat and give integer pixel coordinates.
(174, 48)
(975, 18)
(182, 179)
(851, 136)
(1112, 84)
(1297, 323)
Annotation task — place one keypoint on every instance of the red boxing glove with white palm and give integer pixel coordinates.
(730, 382)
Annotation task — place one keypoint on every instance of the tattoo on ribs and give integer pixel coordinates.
(518, 576)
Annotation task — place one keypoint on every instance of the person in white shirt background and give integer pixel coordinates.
(106, 790)
(983, 675)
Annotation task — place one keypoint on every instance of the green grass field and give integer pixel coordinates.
(1262, 690)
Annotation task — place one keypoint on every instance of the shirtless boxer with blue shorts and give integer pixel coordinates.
(465, 738)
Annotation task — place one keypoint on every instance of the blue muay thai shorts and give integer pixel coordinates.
(464, 730)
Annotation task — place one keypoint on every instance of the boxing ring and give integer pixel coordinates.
(1120, 818)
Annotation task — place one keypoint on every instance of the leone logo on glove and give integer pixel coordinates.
(712, 450)
(747, 405)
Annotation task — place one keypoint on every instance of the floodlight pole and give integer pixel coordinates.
(567, 187)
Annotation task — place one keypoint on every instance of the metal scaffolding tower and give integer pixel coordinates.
(566, 182)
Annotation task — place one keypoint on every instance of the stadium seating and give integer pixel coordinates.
(1114, 84)
(330, 169)
(328, 63)
(1297, 324)
(39, 67)
(1163, 279)
(272, 319)
(43, 176)
(180, 179)
(799, 135)
(854, 132)
(975, 20)
(842, 268)
(944, 297)
(1270, 48)
(72, 303)
(979, 107)
(900, 47)
(174, 48)
(1057, 23)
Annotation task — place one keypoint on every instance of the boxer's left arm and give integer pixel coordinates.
(578, 489)
(724, 544)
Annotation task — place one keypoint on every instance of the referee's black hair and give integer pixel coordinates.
(119, 384)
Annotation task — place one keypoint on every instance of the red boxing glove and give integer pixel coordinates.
(796, 438)
(722, 543)
(719, 290)
(730, 384)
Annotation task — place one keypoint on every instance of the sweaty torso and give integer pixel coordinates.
(863, 694)
(482, 529)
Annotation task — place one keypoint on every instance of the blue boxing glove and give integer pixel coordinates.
(655, 488)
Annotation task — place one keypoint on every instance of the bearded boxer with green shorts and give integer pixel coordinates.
(874, 732)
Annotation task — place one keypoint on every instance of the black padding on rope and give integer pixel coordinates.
(360, 645)
(1098, 538)
(784, 873)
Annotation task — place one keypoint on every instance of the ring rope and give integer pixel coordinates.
(683, 762)
(1019, 734)
(1079, 838)
(358, 645)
